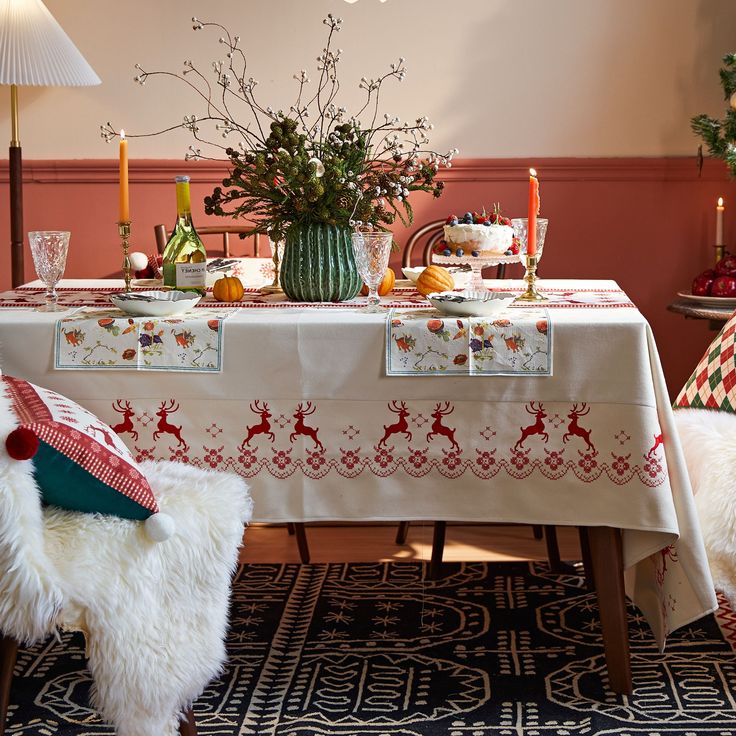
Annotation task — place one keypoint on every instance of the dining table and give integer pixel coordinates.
(333, 413)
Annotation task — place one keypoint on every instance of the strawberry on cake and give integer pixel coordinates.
(478, 235)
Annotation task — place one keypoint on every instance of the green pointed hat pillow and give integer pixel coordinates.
(79, 463)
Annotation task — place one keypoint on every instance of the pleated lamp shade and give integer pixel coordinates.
(34, 50)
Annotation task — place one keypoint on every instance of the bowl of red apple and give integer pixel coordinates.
(719, 281)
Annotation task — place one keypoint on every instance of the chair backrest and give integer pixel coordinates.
(432, 232)
(162, 236)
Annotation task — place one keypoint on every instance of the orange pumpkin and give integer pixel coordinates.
(228, 289)
(434, 278)
(389, 279)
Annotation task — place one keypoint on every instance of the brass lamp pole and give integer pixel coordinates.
(15, 160)
(34, 50)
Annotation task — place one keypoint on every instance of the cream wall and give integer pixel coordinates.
(500, 78)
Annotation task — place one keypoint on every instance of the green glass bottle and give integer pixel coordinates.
(185, 257)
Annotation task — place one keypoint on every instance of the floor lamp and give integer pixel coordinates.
(34, 50)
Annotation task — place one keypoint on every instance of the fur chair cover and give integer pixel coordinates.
(709, 442)
(154, 615)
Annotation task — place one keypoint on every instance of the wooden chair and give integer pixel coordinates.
(430, 234)
(162, 236)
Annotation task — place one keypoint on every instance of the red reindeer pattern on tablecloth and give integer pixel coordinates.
(532, 429)
(658, 440)
(399, 427)
(302, 429)
(127, 424)
(440, 429)
(263, 427)
(164, 427)
(575, 430)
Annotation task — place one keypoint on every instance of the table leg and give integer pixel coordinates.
(606, 555)
(438, 549)
(301, 541)
(188, 726)
(401, 532)
(587, 562)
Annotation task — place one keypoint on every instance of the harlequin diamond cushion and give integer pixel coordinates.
(713, 382)
(79, 463)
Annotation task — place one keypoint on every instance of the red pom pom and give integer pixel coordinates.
(22, 444)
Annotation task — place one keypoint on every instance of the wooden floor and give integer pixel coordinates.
(358, 543)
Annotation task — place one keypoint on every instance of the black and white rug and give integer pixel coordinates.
(357, 649)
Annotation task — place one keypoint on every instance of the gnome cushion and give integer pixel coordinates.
(79, 463)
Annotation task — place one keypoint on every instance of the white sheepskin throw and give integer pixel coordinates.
(709, 442)
(155, 615)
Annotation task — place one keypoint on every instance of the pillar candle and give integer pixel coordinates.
(124, 195)
(531, 243)
(719, 221)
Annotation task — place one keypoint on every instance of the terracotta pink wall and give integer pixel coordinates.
(648, 223)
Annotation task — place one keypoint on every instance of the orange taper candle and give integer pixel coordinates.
(531, 242)
(124, 195)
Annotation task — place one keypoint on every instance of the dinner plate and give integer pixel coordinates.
(155, 303)
(470, 303)
(713, 301)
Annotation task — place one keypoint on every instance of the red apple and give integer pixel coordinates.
(724, 286)
(702, 284)
(726, 266)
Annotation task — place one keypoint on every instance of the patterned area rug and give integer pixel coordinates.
(352, 649)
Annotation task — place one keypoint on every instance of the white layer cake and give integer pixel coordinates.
(490, 240)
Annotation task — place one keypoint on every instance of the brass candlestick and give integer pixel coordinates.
(275, 287)
(720, 252)
(124, 232)
(531, 294)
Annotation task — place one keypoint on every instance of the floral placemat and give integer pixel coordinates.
(513, 342)
(107, 338)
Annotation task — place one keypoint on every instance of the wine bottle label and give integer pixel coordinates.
(191, 275)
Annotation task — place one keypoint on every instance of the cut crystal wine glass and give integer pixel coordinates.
(372, 250)
(49, 249)
(521, 231)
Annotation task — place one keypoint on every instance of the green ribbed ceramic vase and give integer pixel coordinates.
(318, 264)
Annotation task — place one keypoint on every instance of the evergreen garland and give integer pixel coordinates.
(719, 136)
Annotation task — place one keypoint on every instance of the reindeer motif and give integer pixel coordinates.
(91, 428)
(573, 429)
(399, 427)
(658, 440)
(263, 427)
(127, 424)
(163, 424)
(301, 429)
(532, 429)
(439, 428)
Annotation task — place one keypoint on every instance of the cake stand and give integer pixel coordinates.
(476, 263)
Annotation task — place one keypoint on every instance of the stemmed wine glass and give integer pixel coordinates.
(521, 231)
(372, 250)
(49, 249)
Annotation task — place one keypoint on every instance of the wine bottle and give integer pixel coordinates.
(185, 257)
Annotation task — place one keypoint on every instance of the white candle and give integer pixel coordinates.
(719, 221)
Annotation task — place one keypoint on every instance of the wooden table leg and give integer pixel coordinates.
(301, 541)
(585, 552)
(8, 654)
(401, 532)
(188, 727)
(438, 549)
(606, 555)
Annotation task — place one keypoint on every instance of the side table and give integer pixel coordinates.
(715, 315)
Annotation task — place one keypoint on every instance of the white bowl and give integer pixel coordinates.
(471, 303)
(155, 303)
(460, 277)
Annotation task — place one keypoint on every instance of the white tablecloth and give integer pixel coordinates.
(303, 408)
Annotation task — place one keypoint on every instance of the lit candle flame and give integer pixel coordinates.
(122, 134)
(533, 172)
(720, 201)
